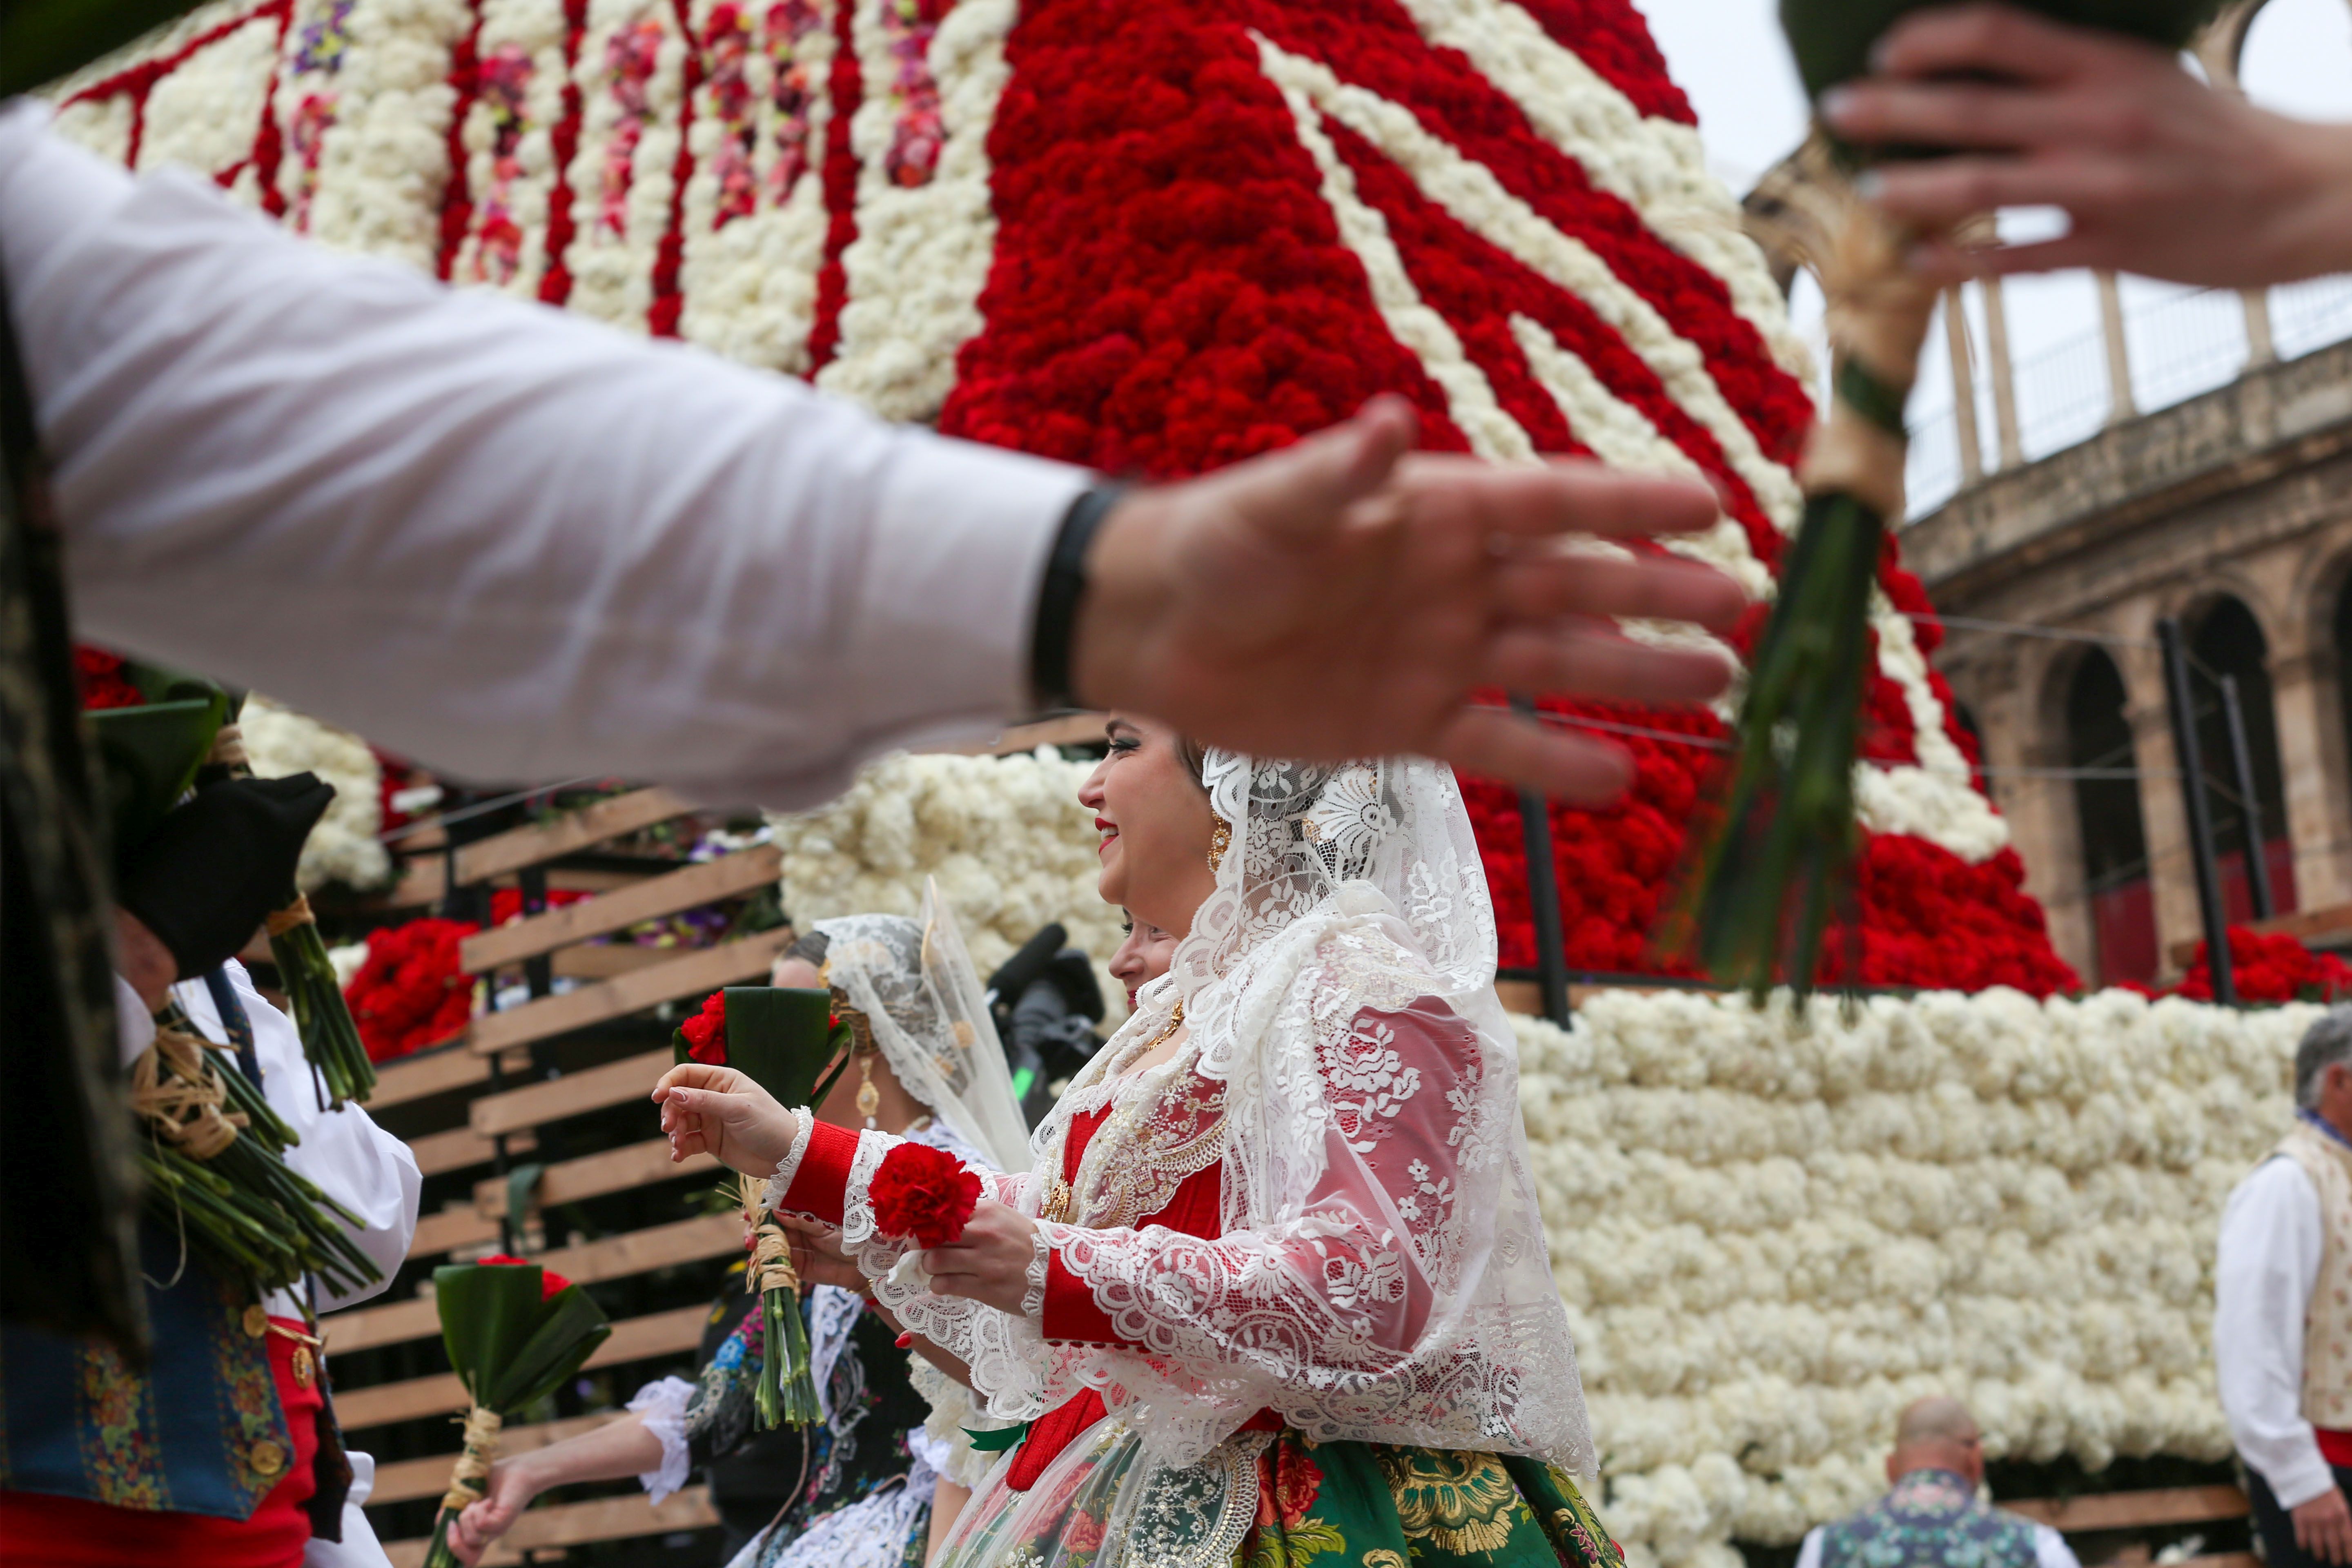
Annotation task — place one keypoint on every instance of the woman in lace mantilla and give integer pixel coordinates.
(1274, 1285)
(859, 1487)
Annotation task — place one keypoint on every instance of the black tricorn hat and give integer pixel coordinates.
(219, 863)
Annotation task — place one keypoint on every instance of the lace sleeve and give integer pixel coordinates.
(1346, 1306)
(662, 1406)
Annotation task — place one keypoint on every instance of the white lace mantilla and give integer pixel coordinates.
(1380, 1273)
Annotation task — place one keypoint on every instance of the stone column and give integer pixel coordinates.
(2312, 759)
(2005, 693)
(2163, 804)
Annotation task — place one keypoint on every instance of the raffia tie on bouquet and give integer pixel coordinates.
(469, 1480)
(771, 1250)
(297, 913)
(183, 1103)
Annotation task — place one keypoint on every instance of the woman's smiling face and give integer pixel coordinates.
(1155, 823)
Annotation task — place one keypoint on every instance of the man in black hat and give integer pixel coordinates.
(268, 1476)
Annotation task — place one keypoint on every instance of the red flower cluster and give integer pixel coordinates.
(505, 903)
(103, 684)
(551, 1283)
(2268, 968)
(1927, 918)
(410, 993)
(922, 1195)
(706, 1032)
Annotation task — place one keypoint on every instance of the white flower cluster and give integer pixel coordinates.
(343, 847)
(1005, 837)
(1772, 1232)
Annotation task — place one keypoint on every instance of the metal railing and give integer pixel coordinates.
(2177, 347)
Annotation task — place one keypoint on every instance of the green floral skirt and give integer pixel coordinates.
(1279, 1500)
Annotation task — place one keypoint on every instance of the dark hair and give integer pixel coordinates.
(811, 949)
(1195, 755)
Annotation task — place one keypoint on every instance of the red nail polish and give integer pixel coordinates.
(905, 1340)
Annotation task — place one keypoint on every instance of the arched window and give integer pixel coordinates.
(2106, 806)
(2227, 641)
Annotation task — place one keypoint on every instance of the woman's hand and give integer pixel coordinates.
(817, 1256)
(724, 1113)
(511, 1490)
(990, 1262)
(2160, 173)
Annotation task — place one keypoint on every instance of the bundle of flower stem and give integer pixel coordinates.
(217, 1173)
(785, 1394)
(780, 1037)
(331, 1038)
(515, 1333)
(1778, 864)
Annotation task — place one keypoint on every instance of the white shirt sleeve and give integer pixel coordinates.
(358, 1547)
(510, 541)
(356, 1163)
(2263, 1274)
(2051, 1550)
(1809, 1552)
(661, 1405)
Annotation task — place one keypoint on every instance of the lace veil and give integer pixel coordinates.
(915, 983)
(1382, 1273)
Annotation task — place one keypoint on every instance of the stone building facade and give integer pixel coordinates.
(2231, 511)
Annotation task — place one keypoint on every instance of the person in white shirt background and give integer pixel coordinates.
(2283, 1314)
(1932, 1516)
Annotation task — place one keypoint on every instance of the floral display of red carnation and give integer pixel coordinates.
(705, 1034)
(551, 1283)
(103, 684)
(410, 993)
(922, 1195)
(2268, 967)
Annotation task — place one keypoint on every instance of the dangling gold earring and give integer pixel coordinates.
(1221, 838)
(869, 1098)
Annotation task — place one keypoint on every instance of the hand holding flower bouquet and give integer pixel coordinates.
(1778, 865)
(515, 1332)
(780, 1037)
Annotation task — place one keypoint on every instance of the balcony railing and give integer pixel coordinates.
(2174, 348)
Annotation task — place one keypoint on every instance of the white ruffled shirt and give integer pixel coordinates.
(2264, 1269)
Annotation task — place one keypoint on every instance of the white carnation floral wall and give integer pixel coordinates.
(1770, 1235)
(1005, 837)
(344, 847)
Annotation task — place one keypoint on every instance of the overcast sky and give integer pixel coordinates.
(1728, 56)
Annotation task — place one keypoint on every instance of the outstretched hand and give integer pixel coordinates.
(988, 1263)
(817, 1255)
(727, 1115)
(2159, 173)
(1342, 598)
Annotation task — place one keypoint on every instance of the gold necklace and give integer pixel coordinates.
(1061, 1198)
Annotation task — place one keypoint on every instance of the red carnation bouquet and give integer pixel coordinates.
(780, 1037)
(923, 1196)
(515, 1333)
(2269, 967)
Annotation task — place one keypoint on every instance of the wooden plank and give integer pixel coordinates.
(2125, 1511)
(424, 1076)
(584, 1262)
(573, 1094)
(633, 1339)
(521, 847)
(460, 1147)
(688, 888)
(429, 1477)
(451, 1229)
(593, 1176)
(1070, 730)
(579, 1523)
(704, 969)
(607, 960)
